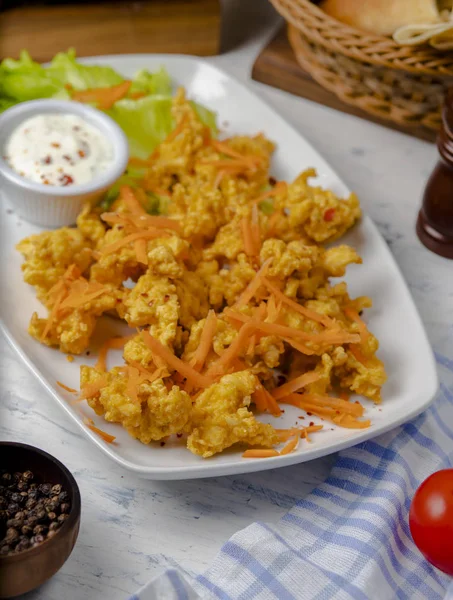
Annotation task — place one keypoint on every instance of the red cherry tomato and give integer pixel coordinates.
(431, 519)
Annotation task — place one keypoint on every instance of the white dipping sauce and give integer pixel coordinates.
(58, 149)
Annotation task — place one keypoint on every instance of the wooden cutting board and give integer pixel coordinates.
(121, 27)
(277, 66)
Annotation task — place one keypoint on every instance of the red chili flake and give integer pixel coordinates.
(162, 443)
(67, 157)
(301, 417)
(309, 413)
(329, 214)
(311, 423)
(81, 153)
(179, 435)
(55, 145)
(143, 294)
(166, 298)
(118, 299)
(272, 181)
(87, 353)
(281, 379)
(66, 179)
(283, 410)
(120, 227)
(47, 160)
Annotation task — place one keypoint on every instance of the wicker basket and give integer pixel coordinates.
(403, 84)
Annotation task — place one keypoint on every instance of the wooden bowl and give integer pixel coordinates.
(22, 572)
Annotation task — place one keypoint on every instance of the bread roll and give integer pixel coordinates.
(382, 17)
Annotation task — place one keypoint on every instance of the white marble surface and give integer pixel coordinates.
(132, 529)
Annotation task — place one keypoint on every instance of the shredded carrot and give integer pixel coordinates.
(354, 316)
(254, 285)
(279, 188)
(105, 97)
(299, 347)
(105, 436)
(358, 354)
(134, 161)
(115, 343)
(207, 336)
(350, 422)
(232, 351)
(325, 337)
(65, 387)
(158, 349)
(89, 390)
(290, 446)
(140, 249)
(338, 404)
(306, 312)
(147, 234)
(81, 292)
(178, 129)
(53, 314)
(257, 453)
(247, 237)
(272, 405)
(259, 399)
(295, 384)
(130, 200)
(272, 223)
(311, 429)
(137, 95)
(255, 230)
(218, 179)
(225, 148)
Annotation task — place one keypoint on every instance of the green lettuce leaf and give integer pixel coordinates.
(68, 71)
(152, 83)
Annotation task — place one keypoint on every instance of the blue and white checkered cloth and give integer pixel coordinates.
(349, 538)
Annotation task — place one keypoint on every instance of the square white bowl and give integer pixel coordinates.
(404, 347)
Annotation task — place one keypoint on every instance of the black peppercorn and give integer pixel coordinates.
(22, 486)
(40, 529)
(41, 515)
(31, 521)
(63, 496)
(56, 489)
(51, 506)
(37, 539)
(29, 512)
(24, 544)
(62, 518)
(12, 508)
(33, 494)
(16, 497)
(12, 535)
(45, 488)
(27, 530)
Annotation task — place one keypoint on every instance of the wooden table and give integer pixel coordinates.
(175, 26)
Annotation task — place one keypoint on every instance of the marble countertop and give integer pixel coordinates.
(132, 528)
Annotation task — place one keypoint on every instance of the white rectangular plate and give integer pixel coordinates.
(405, 349)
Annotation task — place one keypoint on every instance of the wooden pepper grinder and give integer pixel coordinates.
(435, 220)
